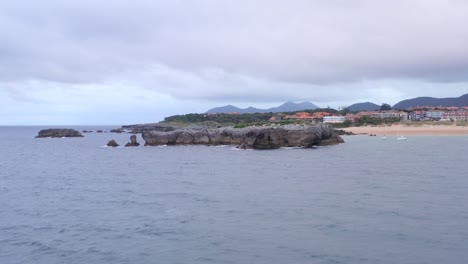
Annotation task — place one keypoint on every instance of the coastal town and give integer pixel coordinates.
(442, 114)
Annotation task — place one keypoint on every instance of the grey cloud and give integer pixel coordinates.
(222, 86)
(306, 42)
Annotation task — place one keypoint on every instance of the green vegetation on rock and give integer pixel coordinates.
(223, 119)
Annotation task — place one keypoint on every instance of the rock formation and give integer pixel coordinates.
(117, 130)
(261, 137)
(133, 142)
(58, 133)
(112, 143)
(342, 132)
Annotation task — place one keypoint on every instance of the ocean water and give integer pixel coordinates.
(369, 200)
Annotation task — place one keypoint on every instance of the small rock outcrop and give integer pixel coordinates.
(257, 137)
(117, 130)
(58, 133)
(342, 132)
(133, 142)
(112, 143)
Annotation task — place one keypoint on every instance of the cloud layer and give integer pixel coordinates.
(245, 51)
(301, 41)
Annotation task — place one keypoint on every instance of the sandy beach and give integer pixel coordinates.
(405, 130)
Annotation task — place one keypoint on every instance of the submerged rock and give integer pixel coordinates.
(58, 133)
(269, 137)
(112, 143)
(133, 142)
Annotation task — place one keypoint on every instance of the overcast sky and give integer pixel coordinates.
(122, 62)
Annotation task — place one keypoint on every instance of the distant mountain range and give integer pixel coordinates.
(367, 106)
(431, 101)
(286, 107)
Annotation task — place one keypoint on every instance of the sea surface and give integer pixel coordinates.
(71, 200)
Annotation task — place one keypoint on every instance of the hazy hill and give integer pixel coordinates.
(286, 107)
(367, 106)
(431, 101)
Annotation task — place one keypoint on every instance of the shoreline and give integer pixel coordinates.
(403, 130)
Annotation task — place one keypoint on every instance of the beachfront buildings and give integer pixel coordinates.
(435, 114)
(455, 114)
(333, 119)
(459, 115)
(416, 115)
(426, 114)
(390, 114)
(403, 116)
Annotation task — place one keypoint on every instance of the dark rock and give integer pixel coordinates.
(271, 137)
(99, 131)
(58, 133)
(342, 132)
(117, 130)
(133, 142)
(112, 143)
(331, 141)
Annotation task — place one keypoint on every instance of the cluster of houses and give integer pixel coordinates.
(419, 114)
(403, 116)
(446, 114)
(426, 114)
(438, 114)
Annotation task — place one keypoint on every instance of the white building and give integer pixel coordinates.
(390, 114)
(333, 119)
(435, 114)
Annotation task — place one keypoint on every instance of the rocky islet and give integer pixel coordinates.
(58, 133)
(255, 137)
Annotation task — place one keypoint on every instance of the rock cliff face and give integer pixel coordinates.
(272, 137)
(58, 133)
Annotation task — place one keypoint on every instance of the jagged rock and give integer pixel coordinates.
(201, 138)
(117, 130)
(270, 137)
(184, 138)
(99, 131)
(133, 142)
(112, 143)
(58, 133)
